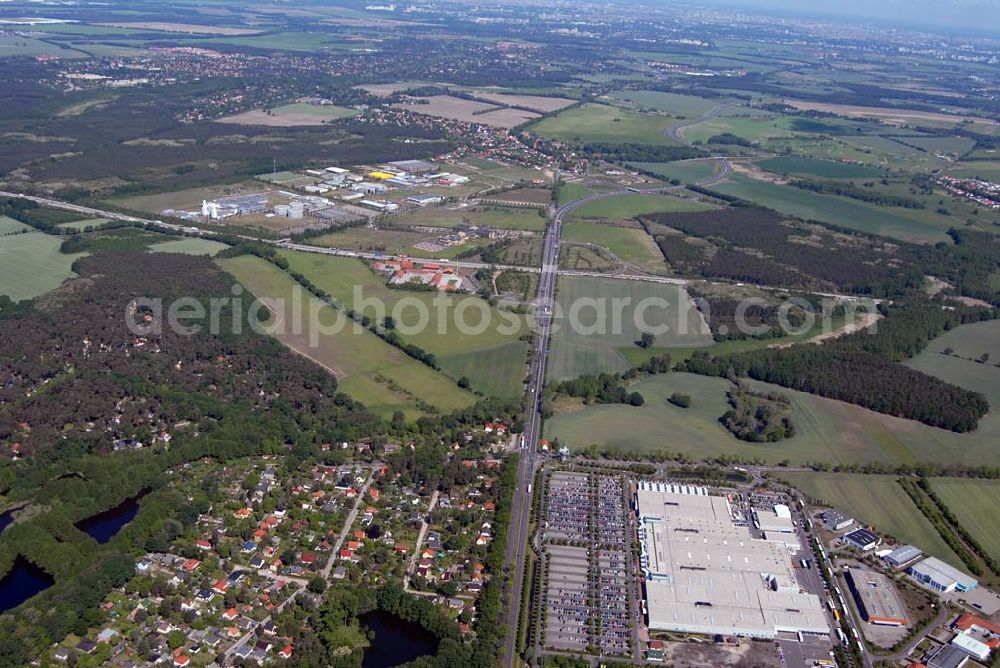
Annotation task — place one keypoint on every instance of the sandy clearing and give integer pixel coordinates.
(864, 322)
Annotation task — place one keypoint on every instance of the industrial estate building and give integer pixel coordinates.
(836, 521)
(875, 597)
(939, 576)
(705, 574)
(902, 556)
(862, 539)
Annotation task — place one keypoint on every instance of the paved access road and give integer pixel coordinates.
(517, 533)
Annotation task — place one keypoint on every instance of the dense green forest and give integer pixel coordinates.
(755, 245)
(863, 369)
(79, 380)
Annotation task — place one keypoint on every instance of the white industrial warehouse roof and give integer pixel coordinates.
(707, 575)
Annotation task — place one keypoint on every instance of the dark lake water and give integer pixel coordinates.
(396, 640)
(22, 582)
(102, 527)
(6, 518)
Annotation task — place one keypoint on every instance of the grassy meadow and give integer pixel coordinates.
(920, 226)
(632, 245)
(685, 171)
(974, 503)
(596, 345)
(601, 123)
(189, 246)
(827, 431)
(673, 103)
(493, 359)
(631, 205)
(878, 501)
(30, 261)
(370, 370)
(813, 167)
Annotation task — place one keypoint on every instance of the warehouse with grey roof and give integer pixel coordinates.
(704, 574)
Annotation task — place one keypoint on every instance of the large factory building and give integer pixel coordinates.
(704, 574)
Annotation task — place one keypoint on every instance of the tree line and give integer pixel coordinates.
(863, 368)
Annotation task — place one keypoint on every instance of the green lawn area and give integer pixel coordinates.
(630, 244)
(189, 246)
(370, 370)
(878, 501)
(685, 171)
(586, 340)
(675, 103)
(974, 503)
(827, 169)
(631, 205)
(493, 359)
(30, 262)
(906, 224)
(602, 123)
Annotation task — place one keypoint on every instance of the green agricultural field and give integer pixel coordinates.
(985, 170)
(826, 169)
(286, 41)
(892, 150)
(631, 245)
(685, 171)
(30, 262)
(481, 163)
(494, 359)
(905, 224)
(600, 123)
(638, 355)
(595, 344)
(878, 501)
(827, 431)
(11, 226)
(567, 192)
(498, 371)
(630, 205)
(370, 370)
(681, 105)
(942, 145)
(752, 129)
(974, 503)
(11, 45)
(189, 246)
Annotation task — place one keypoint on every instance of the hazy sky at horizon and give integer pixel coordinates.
(977, 15)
